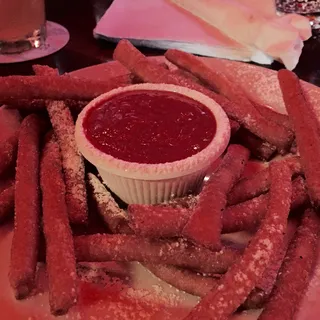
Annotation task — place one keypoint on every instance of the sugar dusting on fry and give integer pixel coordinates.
(205, 225)
(114, 217)
(245, 215)
(249, 214)
(9, 131)
(295, 272)
(55, 88)
(269, 277)
(162, 220)
(306, 128)
(184, 280)
(104, 247)
(279, 118)
(200, 284)
(25, 242)
(72, 162)
(158, 221)
(260, 182)
(60, 258)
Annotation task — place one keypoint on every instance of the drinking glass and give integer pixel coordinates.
(22, 25)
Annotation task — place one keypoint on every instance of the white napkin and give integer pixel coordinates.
(256, 25)
(217, 28)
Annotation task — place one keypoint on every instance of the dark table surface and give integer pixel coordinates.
(81, 16)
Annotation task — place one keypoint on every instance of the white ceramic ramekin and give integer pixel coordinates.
(155, 183)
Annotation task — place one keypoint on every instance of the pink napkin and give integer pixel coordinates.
(254, 25)
(162, 24)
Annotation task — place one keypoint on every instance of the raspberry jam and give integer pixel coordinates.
(150, 127)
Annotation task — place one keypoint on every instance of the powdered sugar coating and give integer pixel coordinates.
(300, 258)
(306, 127)
(9, 130)
(261, 85)
(260, 182)
(60, 258)
(56, 88)
(245, 215)
(183, 279)
(109, 210)
(105, 247)
(248, 215)
(158, 221)
(205, 225)
(72, 162)
(27, 204)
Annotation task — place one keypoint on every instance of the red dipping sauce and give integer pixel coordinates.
(150, 126)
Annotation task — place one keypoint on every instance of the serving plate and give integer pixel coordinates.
(131, 291)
